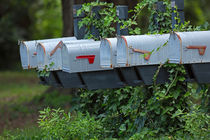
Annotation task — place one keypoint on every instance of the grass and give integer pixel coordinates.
(19, 87)
(21, 98)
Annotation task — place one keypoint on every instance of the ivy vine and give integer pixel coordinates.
(141, 111)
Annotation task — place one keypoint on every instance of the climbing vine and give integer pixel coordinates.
(143, 111)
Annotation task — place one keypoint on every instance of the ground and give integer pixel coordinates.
(22, 97)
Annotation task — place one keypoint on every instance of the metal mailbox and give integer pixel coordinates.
(136, 67)
(129, 49)
(189, 47)
(108, 54)
(28, 52)
(83, 60)
(80, 57)
(50, 53)
(192, 48)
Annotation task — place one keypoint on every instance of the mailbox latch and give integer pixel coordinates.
(201, 49)
(90, 58)
(147, 53)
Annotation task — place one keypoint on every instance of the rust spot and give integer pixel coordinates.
(43, 47)
(111, 66)
(126, 43)
(201, 49)
(110, 44)
(57, 46)
(35, 53)
(179, 37)
(29, 66)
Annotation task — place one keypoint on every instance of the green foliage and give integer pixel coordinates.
(56, 124)
(53, 99)
(26, 134)
(46, 71)
(47, 20)
(104, 24)
(145, 112)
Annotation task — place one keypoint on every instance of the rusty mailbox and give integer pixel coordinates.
(141, 56)
(192, 48)
(28, 54)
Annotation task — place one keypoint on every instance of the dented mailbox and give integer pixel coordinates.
(28, 52)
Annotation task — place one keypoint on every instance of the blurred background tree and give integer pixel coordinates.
(39, 19)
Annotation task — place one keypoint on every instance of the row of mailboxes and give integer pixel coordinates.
(189, 48)
(29, 54)
(117, 62)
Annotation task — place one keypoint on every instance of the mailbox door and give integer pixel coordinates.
(28, 54)
(108, 53)
(24, 56)
(41, 57)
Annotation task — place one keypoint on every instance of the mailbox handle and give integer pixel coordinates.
(201, 49)
(90, 58)
(144, 52)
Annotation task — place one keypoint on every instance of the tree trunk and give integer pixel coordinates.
(67, 9)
